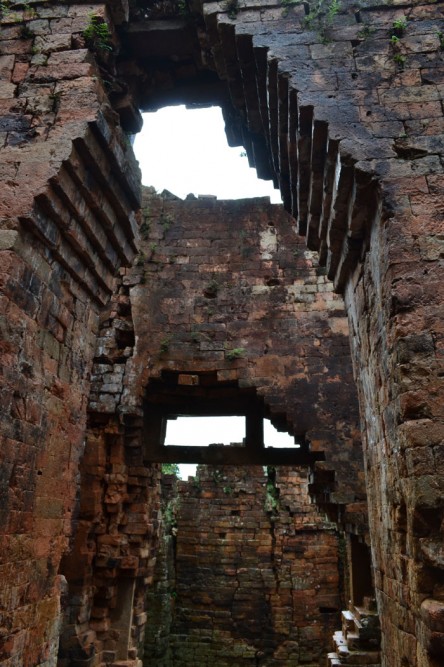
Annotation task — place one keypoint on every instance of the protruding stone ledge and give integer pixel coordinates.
(232, 455)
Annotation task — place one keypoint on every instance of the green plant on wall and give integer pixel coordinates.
(169, 516)
(183, 8)
(399, 26)
(288, 4)
(321, 16)
(211, 289)
(4, 8)
(170, 469)
(366, 31)
(333, 9)
(26, 32)
(399, 59)
(166, 220)
(140, 259)
(6, 13)
(165, 345)
(55, 99)
(145, 229)
(217, 476)
(272, 503)
(29, 12)
(235, 353)
(196, 484)
(97, 34)
(398, 29)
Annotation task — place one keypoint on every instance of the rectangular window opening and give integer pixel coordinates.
(195, 431)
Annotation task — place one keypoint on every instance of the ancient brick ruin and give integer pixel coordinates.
(120, 310)
(250, 572)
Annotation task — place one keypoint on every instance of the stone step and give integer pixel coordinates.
(333, 660)
(348, 621)
(339, 639)
(349, 650)
(363, 612)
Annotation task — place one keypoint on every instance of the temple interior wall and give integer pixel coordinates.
(354, 140)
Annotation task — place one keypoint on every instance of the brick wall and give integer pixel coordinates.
(354, 139)
(213, 277)
(251, 573)
(241, 299)
(63, 232)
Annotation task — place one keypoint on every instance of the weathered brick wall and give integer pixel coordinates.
(63, 232)
(401, 395)
(220, 276)
(162, 594)
(111, 561)
(376, 89)
(353, 133)
(254, 575)
(116, 530)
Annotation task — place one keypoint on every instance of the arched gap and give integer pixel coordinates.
(178, 394)
(286, 138)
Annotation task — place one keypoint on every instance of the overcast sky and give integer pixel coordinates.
(186, 151)
(202, 431)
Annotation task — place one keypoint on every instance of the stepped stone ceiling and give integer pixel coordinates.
(114, 304)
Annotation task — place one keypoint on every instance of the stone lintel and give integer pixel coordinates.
(229, 455)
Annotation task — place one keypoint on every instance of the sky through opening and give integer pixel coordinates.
(203, 431)
(186, 151)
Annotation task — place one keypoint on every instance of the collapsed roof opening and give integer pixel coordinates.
(186, 152)
(175, 395)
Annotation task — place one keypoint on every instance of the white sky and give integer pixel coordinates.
(202, 431)
(186, 151)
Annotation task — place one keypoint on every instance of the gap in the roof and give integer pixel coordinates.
(186, 152)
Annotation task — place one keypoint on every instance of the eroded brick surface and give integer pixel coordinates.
(62, 234)
(250, 575)
(217, 277)
(349, 122)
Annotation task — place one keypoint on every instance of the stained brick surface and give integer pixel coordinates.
(252, 576)
(348, 121)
